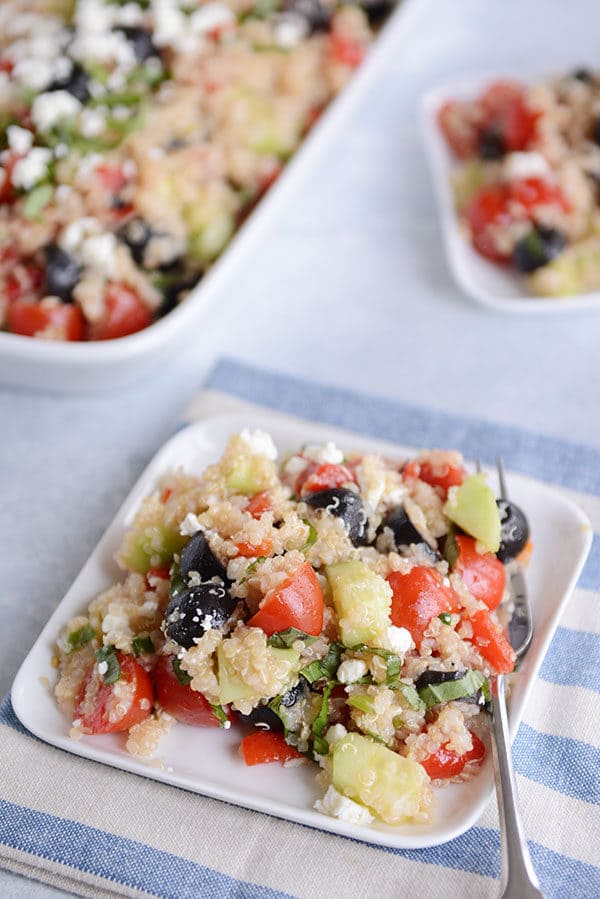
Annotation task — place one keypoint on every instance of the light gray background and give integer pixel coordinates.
(351, 289)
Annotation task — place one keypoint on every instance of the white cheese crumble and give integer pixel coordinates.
(337, 806)
(54, 107)
(294, 466)
(209, 17)
(102, 668)
(35, 74)
(76, 231)
(92, 122)
(324, 453)
(98, 252)
(20, 140)
(31, 168)
(190, 525)
(399, 639)
(335, 733)
(351, 670)
(290, 30)
(259, 443)
(524, 165)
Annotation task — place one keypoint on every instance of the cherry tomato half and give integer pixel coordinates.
(266, 746)
(418, 597)
(30, 319)
(323, 476)
(125, 314)
(109, 708)
(179, 700)
(437, 475)
(483, 573)
(446, 762)
(491, 643)
(297, 603)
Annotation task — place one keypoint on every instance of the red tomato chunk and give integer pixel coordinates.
(266, 746)
(297, 603)
(418, 597)
(483, 573)
(447, 763)
(179, 700)
(110, 708)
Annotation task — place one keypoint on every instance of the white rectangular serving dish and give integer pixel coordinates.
(206, 761)
(485, 282)
(82, 366)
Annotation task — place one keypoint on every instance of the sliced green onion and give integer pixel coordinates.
(320, 745)
(312, 536)
(287, 638)
(362, 702)
(220, 713)
(142, 645)
(318, 725)
(412, 697)
(182, 676)
(113, 671)
(251, 568)
(434, 694)
(325, 667)
(80, 637)
(36, 200)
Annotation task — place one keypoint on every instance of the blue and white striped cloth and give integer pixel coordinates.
(100, 832)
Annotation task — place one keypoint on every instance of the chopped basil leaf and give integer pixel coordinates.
(251, 568)
(80, 637)
(434, 694)
(412, 697)
(393, 663)
(285, 639)
(312, 536)
(362, 702)
(325, 667)
(445, 618)
(320, 746)
(182, 676)
(320, 722)
(451, 548)
(113, 670)
(36, 200)
(220, 713)
(178, 585)
(142, 646)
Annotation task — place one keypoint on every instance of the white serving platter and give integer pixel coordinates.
(485, 282)
(206, 761)
(84, 366)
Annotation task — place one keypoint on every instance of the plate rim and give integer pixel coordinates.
(439, 164)
(407, 838)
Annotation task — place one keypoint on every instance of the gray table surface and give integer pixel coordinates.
(351, 289)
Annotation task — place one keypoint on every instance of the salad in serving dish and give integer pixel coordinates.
(342, 609)
(526, 176)
(135, 137)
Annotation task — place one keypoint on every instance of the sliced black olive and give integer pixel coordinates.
(148, 247)
(377, 10)
(63, 272)
(197, 555)
(491, 144)
(264, 717)
(538, 248)
(316, 14)
(344, 504)
(583, 74)
(76, 83)
(136, 234)
(191, 613)
(514, 530)
(141, 41)
(404, 530)
(432, 676)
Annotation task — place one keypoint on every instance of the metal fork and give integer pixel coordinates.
(518, 875)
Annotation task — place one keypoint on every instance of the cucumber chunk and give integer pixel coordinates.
(247, 475)
(472, 506)
(394, 788)
(152, 547)
(362, 600)
(231, 685)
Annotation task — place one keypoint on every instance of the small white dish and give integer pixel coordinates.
(206, 761)
(485, 282)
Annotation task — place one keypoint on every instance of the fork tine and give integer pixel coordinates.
(501, 478)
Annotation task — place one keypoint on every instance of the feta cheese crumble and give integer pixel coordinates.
(399, 639)
(335, 733)
(337, 806)
(351, 670)
(524, 165)
(259, 443)
(324, 453)
(31, 168)
(20, 140)
(52, 108)
(190, 525)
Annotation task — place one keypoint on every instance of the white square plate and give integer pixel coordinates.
(484, 281)
(206, 760)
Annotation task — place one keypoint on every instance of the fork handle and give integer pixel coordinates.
(518, 875)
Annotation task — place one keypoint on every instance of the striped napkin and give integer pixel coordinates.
(101, 832)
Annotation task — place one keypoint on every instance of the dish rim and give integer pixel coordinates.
(406, 837)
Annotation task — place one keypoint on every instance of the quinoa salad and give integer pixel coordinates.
(527, 178)
(135, 137)
(344, 611)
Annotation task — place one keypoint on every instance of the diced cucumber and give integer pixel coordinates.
(466, 181)
(575, 270)
(394, 788)
(152, 547)
(247, 475)
(362, 601)
(472, 506)
(232, 687)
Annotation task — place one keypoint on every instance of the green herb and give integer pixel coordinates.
(451, 548)
(312, 536)
(131, 98)
(251, 568)
(445, 618)
(80, 637)
(411, 696)
(36, 200)
(325, 667)
(261, 10)
(113, 671)
(375, 737)
(393, 664)
(220, 713)
(142, 646)
(362, 702)
(398, 721)
(182, 676)
(320, 746)
(178, 585)
(434, 694)
(287, 638)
